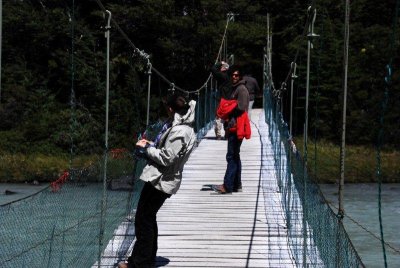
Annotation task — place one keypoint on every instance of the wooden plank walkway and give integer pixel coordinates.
(247, 229)
(198, 228)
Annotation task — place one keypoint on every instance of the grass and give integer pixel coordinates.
(324, 164)
(360, 163)
(26, 168)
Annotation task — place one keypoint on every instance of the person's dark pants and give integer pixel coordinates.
(145, 249)
(233, 174)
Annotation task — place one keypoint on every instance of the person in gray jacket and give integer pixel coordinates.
(163, 176)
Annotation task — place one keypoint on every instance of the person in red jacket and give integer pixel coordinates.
(232, 178)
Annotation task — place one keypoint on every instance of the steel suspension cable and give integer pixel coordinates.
(228, 19)
(72, 92)
(147, 57)
(303, 35)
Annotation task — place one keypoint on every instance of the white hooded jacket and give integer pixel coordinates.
(176, 144)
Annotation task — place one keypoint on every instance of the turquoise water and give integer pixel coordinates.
(10, 192)
(362, 220)
(58, 229)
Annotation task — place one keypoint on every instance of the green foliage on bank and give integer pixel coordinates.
(54, 68)
(360, 163)
(44, 168)
(323, 165)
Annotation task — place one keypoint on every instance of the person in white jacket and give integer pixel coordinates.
(163, 176)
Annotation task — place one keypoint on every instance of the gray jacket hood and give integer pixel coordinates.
(187, 118)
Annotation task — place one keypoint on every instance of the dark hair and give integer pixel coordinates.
(178, 104)
(236, 68)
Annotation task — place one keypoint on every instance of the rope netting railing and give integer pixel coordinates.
(59, 226)
(317, 233)
(308, 215)
(70, 221)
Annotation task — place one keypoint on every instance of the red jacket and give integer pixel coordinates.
(225, 107)
(242, 129)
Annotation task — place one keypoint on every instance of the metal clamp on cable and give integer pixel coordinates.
(293, 68)
(283, 86)
(311, 35)
(172, 88)
(388, 78)
(149, 66)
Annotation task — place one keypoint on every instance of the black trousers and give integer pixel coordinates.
(145, 249)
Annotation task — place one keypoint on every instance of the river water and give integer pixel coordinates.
(361, 220)
(11, 192)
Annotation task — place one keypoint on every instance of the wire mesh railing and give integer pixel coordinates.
(60, 225)
(316, 236)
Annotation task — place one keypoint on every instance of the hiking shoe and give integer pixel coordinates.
(122, 264)
(220, 189)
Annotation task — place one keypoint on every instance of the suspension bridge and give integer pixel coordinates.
(263, 226)
(85, 217)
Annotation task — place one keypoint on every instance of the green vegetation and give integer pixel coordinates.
(26, 168)
(17, 167)
(360, 163)
(52, 102)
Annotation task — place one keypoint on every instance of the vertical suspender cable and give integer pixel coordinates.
(343, 143)
(148, 92)
(205, 105)
(224, 56)
(268, 58)
(210, 101)
(197, 118)
(305, 148)
(384, 104)
(72, 120)
(104, 199)
(309, 47)
(72, 93)
(293, 77)
(1, 39)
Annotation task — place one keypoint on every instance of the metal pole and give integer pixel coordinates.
(343, 144)
(104, 199)
(309, 47)
(148, 92)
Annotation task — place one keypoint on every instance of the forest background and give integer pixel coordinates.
(54, 72)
